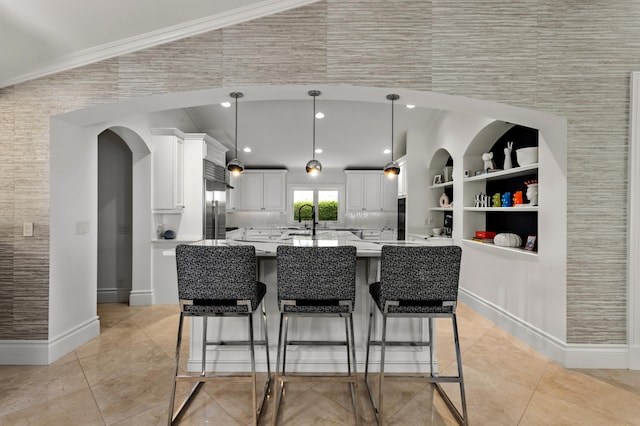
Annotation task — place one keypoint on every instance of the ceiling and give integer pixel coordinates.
(42, 37)
(352, 134)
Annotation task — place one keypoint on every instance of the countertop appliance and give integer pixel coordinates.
(214, 201)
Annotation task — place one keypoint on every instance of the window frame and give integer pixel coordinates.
(316, 188)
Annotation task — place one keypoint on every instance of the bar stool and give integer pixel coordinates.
(417, 282)
(217, 281)
(316, 282)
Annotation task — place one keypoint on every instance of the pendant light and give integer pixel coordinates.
(235, 166)
(313, 166)
(392, 169)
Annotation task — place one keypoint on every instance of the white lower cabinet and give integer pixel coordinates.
(258, 190)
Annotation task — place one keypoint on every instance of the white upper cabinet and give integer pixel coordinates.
(258, 190)
(402, 177)
(168, 169)
(370, 190)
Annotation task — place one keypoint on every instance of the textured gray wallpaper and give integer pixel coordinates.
(570, 58)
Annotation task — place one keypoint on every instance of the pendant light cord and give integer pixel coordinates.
(314, 127)
(392, 102)
(236, 128)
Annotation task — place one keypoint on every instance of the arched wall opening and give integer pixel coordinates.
(459, 119)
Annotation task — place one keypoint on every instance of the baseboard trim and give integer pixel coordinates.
(596, 356)
(567, 355)
(113, 295)
(141, 298)
(44, 352)
(634, 358)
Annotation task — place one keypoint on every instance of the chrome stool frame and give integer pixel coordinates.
(219, 308)
(294, 302)
(416, 308)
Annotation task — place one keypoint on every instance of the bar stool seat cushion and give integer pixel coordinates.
(408, 306)
(318, 306)
(225, 306)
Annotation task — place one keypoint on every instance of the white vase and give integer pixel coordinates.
(532, 194)
(447, 173)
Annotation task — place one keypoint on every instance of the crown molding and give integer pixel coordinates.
(158, 37)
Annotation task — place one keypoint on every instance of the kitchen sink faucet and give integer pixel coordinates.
(313, 217)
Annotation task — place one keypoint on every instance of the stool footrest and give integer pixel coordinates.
(316, 343)
(399, 343)
(234, 342)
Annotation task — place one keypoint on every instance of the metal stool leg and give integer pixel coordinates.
(278, 384)
(354, 386)
(173, 387)
(383, 344)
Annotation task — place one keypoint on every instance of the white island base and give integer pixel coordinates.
(324, 359)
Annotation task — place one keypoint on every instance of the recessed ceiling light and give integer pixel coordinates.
(387, 151)
(411, 106)
(225, 104)
(318, 151)
(246, 149)
(320, 115)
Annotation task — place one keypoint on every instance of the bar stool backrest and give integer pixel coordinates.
(216, 273)
(425, 274)
(316, 273)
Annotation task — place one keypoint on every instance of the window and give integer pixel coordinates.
(326, 201)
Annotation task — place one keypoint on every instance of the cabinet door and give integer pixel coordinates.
(273, 192)
(389, 193)
(168, 173)
(178, 170)
(235, 197)
(402, 179)
(252, 191)
(372, 191)
(355, 191)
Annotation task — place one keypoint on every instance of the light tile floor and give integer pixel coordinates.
(123, 377)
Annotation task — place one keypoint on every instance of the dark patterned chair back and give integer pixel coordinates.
(216, 273)
(426, 274)
(316, 273)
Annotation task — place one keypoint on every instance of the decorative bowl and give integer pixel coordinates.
(437, 231)
(526, 156)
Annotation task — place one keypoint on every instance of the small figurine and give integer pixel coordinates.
(507, 156)
(496, 200)
(489, 164)
(517, 198)
(506, 199)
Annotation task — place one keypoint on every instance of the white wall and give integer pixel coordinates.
(524, 294)
(73, 248)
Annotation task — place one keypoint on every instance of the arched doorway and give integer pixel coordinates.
(114, 219)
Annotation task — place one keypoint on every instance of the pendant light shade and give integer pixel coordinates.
(391, 168)
(236, 166)
(313, 166)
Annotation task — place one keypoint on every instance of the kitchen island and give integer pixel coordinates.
(304, 358)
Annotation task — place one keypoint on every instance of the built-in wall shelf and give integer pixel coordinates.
(505, 174)
(441, 209)
(492, 247)
(442, 185)
(524, 208)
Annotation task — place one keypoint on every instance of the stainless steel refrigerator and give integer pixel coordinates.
(214, 202)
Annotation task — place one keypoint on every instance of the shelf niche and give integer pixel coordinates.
(523, 223)
(440, 217)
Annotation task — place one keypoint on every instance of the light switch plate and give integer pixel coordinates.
(27, 229)
(82, 228)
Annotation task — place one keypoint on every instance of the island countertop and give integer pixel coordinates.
(268, 247)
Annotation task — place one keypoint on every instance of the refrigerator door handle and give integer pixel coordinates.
(215, 219)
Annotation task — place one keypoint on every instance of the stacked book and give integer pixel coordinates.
(484, 236)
